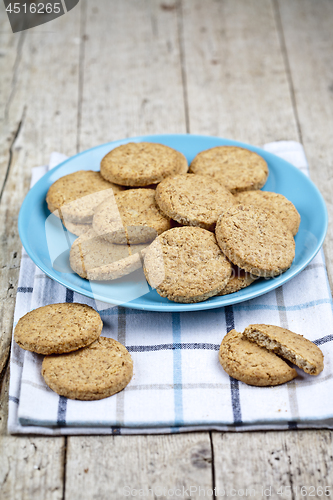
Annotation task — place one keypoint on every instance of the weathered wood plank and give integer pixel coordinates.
(131, 85)
(311, 465)
(46, 95)
(10, 54)
(238, 86)
(236, 79)
(273, 464)
(308, 35)
(4, 393)
(250, 461)
(132, 79)
(11, 51)
(152, 466)
(40, 88)
(31, 468)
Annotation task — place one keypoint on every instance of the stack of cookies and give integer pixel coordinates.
(78, 362)
(74, 197)
(257, 356)
(202, 233)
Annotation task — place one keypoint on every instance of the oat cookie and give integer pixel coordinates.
(274, 203)
(255, 240)
(76, 195)
(186, 265)
(142, 163)
(94, 258)
(94, 372)
(131, 217)
(289, 345)
(76, 228)
(238, 169)
(239, 279)
(193, 200)
(251, 364)
(58, 328)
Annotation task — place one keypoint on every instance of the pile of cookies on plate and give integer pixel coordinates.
(200, 231)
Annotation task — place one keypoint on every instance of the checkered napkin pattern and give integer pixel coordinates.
(178, 383)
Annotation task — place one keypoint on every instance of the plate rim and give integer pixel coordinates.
(172, 306)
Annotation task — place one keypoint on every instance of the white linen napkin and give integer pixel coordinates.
(178, 383)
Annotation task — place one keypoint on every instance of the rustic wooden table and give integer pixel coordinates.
(252, 70)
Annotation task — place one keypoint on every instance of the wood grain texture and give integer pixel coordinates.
(311, 460)
(11, 50)
(42, 105)
(235, 74)
(4, 394)
(308, 34)
(40, 90)
(120, 466)
(265, 463)
(245, 69)
(132, 79)
(239, 86)
(10, 53)
(250, 461)
(131, 84)
(31, 468)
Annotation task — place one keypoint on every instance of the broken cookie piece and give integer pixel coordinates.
(252, 364)
(292, 346)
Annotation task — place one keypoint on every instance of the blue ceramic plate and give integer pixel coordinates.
(40, 232)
